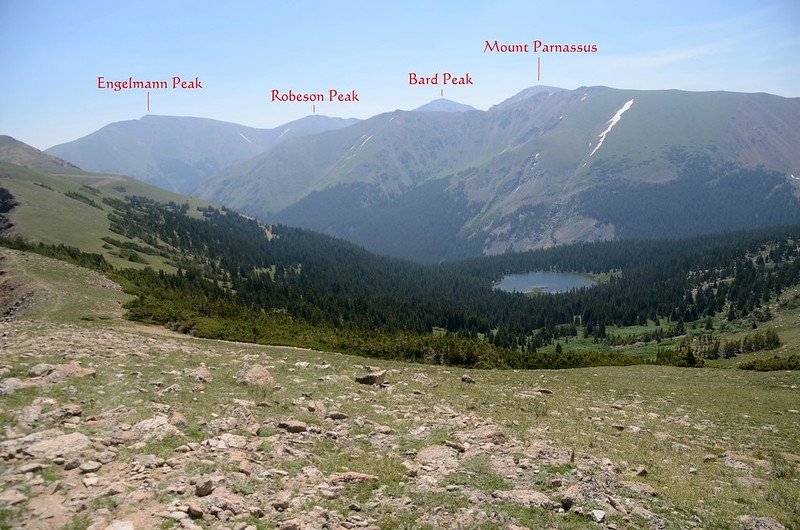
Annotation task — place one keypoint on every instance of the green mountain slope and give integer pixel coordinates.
(527, 173)
(178, 153)
(58, 204)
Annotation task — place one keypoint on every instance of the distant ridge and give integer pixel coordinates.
(178, 153)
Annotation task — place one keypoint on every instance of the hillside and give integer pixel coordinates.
(109, 422)
(179, 153)
(22, 154)
(545, 167)
(60, 204)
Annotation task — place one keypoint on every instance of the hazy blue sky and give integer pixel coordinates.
(53, 51)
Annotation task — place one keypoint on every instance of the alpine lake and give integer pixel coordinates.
(544, 282)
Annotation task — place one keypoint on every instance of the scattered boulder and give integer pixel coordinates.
(194, 509)
(233, 440)
(335, 415)
(256, 375)
(10, 385)
(30, 468)
(204, 488)
(64, 371)
(58, 446)
(372, 378)
(281, 503)
(467, 379)
(156, 428)
(148, 461)
(572, 496)
(293, 426)
(598, 516)
(40, 370)
(91, 466)
(201, 374)
(490, 434)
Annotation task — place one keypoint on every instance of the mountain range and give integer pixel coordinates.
(178, 153)
(545, 167)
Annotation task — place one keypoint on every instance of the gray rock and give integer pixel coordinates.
(156, 428)
(598, 516)
(202, 374)
(40, 369)
(467, 379)
(90, 466)
(58, 446)
(294, 426)
(30, 468)
(372, 378)
(9, 385)
(204, 488)
(256, 375)
(195, 509)
(572, 496)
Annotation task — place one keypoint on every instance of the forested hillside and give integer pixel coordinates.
(240, 279)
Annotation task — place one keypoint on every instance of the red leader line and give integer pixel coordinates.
(313, 109)
(148, 102)
(538, 68)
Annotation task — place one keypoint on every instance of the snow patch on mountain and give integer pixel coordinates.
(613, 121)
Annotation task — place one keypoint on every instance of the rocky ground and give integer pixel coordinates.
(108, 424)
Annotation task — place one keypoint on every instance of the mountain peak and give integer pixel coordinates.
(528, 93)
(444, 105)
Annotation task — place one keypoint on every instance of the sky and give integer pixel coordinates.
(52, 52)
